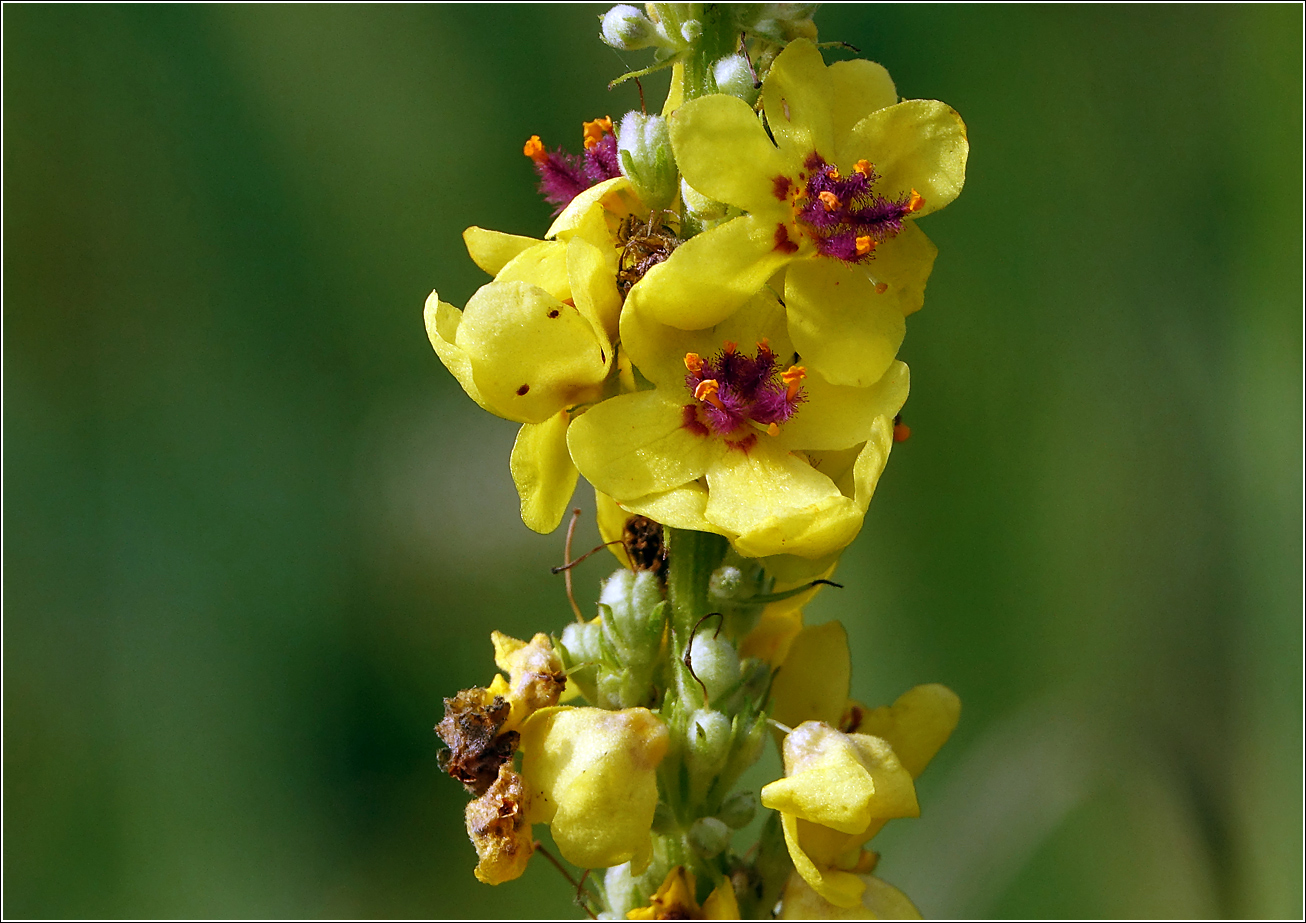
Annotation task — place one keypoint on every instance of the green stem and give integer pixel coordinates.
(717, 41)
(692, 556)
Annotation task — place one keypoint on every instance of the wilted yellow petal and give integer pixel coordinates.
(497, 825)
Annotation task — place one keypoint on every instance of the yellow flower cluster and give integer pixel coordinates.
(742, 380)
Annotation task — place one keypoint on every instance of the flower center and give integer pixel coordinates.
(843, 215)
(732, 390)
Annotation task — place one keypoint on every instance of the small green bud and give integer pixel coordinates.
(725, 582)
(644, 149)
(715, 664)
(738, 809)
(691, 30)
(709, 837)
(734, 76)
(708, 737)
(626, 28)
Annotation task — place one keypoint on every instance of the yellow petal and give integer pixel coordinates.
(591, 774)
(531, 355)
(871, 461)
(903, 263)
(612, 526)
(680, 508)
(594, 289)
(813, 681)
(442, 322)
(836, 417)
(918, 144)
(772, 637)
(840, 325)
(636, 444)
(708, 277)
(859, 88)
(723, 152)
(777, 503)
(721, 904)
(880, 901)
(796, 95)
(543, 265)
(492, 250)
(659, 350)
(843, 889)
(615, 195)
(543, 472)
(916, 725)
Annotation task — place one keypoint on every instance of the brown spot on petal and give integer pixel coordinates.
(780, 187)
(690, 421)
(554, 313)
(782, 241)
(522, 390)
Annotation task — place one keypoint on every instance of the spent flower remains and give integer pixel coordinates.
(708, 332)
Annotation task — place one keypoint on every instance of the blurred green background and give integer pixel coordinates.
(255, 531)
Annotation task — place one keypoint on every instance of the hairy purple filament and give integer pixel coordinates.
(747, 389)
(851, 217)
(564, 176)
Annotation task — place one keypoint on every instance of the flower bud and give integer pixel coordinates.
(709, 837)
(644, 148)
(735, 77)
(725, 582)
(715, 664)
(738, 809)
(709, 736)
(626, 28)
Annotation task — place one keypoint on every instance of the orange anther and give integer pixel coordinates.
(793, 378)
(901, 432)
(595, 130)
(829, 200)
(693, 362)
(881, 288)
(534, 149)
(772, 429)
(832, 172)
(916, 202)
(865, 245)
(706, 391)
(865, 167)
(764, 347)
(729, 347)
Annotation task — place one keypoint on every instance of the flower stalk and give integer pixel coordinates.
(708, 333)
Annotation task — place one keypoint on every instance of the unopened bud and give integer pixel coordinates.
(644, 148)
(738, 809)
(715, 664)
(725, 582)
(709, 837)
(734, 76)
(626, 28)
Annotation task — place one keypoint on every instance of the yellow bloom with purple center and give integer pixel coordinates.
(735, 438)
(538, 341)
(831, 183)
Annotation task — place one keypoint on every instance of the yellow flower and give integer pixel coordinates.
(836, 788)
(537, 342)
(591, 775)
(732, 442)
(880, 901)
(843, 785)
(833, 199)
(675, 900)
